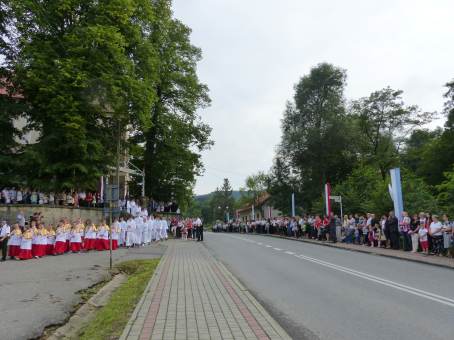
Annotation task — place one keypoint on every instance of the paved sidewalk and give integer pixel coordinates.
(193, 296)
(441, 261)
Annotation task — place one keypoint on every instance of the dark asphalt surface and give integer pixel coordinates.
(42, 292)
(328, 293)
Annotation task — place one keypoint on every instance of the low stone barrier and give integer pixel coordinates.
(52, 214)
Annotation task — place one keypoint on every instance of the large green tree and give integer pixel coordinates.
(173, 143)
(316, 138)
(222, 201)
(85, 69)
(281, 185)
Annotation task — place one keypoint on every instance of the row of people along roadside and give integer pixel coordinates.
(24, 241)
(426, 233)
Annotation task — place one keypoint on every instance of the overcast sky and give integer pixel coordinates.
(254, 51)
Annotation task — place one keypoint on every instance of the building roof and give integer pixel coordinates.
(260, 201)
(4, 83)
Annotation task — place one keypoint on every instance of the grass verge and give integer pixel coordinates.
(111, 319)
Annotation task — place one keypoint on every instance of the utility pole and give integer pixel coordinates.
(116, 191)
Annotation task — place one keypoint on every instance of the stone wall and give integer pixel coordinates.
(52, 214)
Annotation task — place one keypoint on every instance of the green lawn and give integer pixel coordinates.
(111, 319)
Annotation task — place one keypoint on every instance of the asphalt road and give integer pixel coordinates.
(38, 293)
(318, 292)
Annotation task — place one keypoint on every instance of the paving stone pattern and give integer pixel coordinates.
(193, 296)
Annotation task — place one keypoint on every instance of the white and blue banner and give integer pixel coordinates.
(395, 190)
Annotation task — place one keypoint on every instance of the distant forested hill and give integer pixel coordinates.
(203, 198)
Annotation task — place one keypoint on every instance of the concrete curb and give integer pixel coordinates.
(364, 251)
(86, 313)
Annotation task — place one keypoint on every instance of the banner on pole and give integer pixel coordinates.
(328, 199)
(395, 190)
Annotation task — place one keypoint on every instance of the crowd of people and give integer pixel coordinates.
(188, 228)
(423, 232)
(34, 239)
(32, 196)
(79, 198)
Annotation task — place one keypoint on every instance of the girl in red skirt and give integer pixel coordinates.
(41, 243)
(90, 236)
(102, 240)
(76, 238)
(60, 240)
(14, 242)
(67, 227)
(50, 240)
(25, 252)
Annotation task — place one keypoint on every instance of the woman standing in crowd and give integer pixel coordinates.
(414, 233)
(447, 233)
(435, 231)
(405, 228)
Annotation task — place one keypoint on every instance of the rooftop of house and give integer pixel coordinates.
(260, 201)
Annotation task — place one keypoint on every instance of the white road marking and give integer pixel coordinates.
(268, 246)
(408, 289)
(259, 243)
(385, 282)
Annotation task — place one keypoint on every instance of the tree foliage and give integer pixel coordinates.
(222, 201)
(315, 140)
(93, 72)
(177, 135)
(255, 186)
(446, 193)
(384, 121)
(354, 148)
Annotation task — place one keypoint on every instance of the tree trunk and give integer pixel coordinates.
(150, 144)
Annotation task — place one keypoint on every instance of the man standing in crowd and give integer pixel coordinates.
(4, 236)
(392, 225)
(199, 229)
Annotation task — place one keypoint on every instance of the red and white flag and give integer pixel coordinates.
(328, 199)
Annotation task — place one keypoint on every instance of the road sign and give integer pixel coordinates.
(337, 199)
(112, 193)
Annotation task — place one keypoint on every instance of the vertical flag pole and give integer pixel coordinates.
(327, 199)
